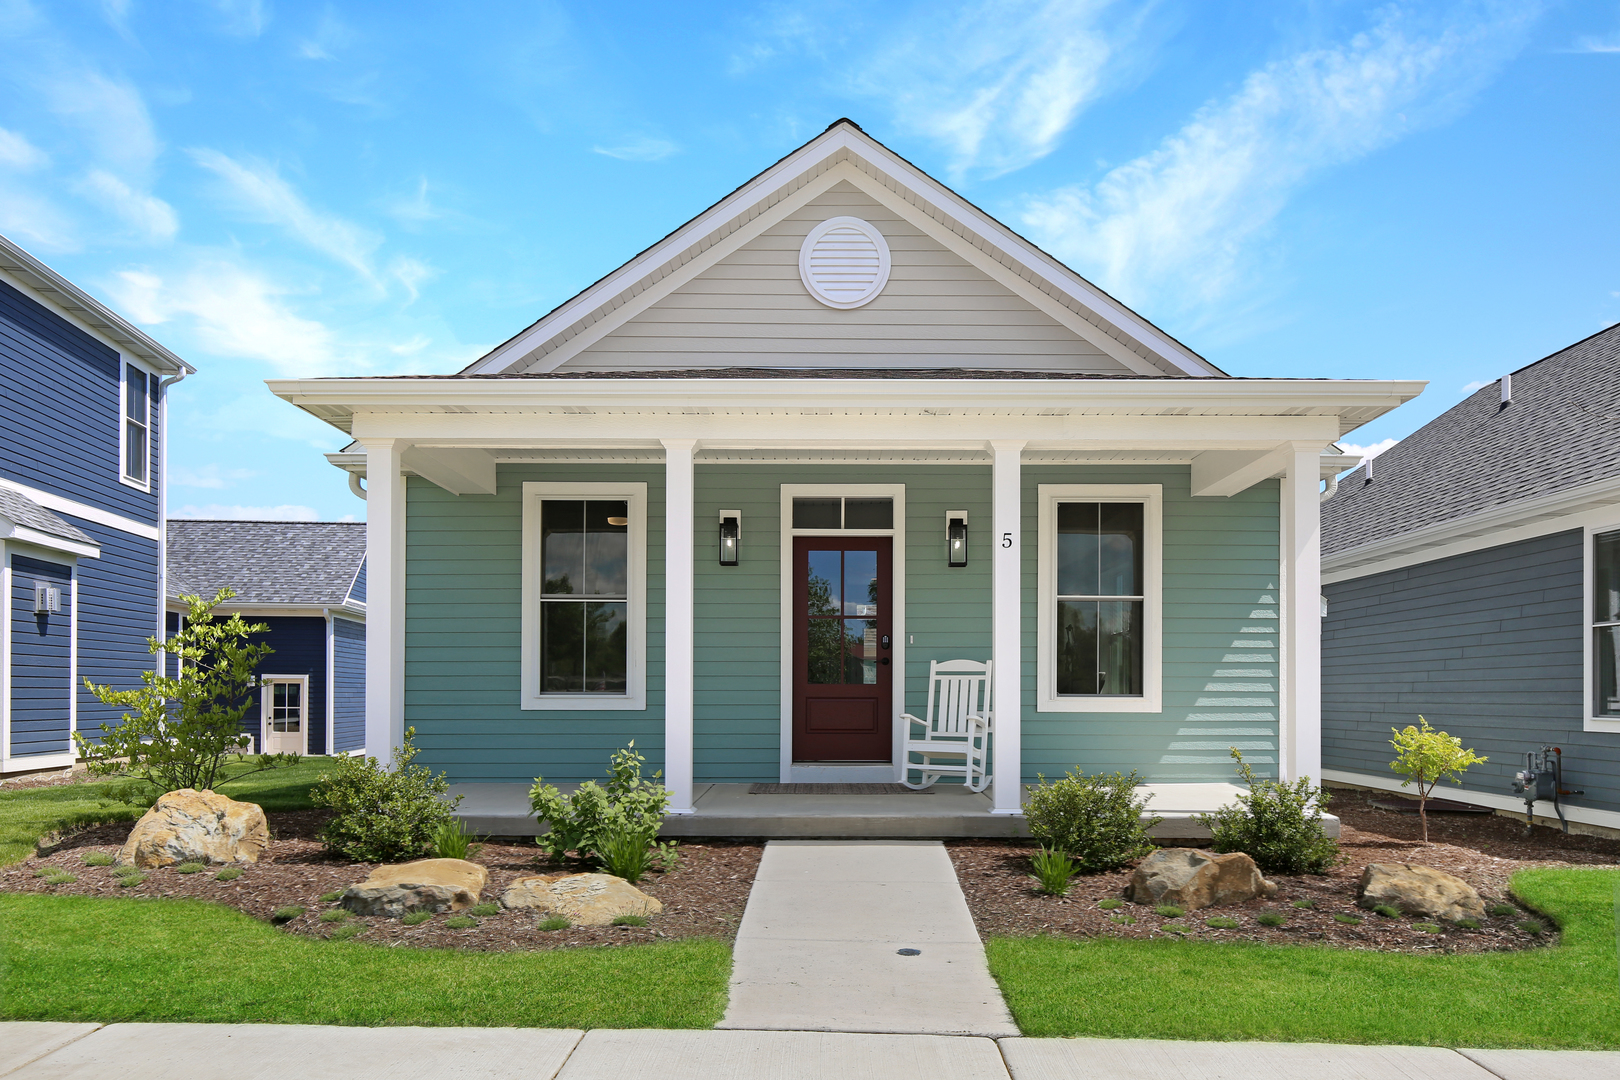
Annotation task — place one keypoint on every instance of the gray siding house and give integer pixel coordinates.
(1474, 577)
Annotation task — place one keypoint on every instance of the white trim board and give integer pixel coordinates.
(1590, 721)
(1586, 815)
(84, 511)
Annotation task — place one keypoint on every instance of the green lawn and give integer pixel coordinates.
(88, 959)
(27, 814)
(1564, 997)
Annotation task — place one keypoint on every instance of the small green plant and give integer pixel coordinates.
(45, 871)
(1467, 924)
(451, 840)
(126, 870)
(1530, 926)
(1168, 911)
(1425, 757)
(230, 873)
(461, 922)
(96, 858)
(1053, 871)
(332, 897)
(1111, 903)
(344, 933)
(1348, 920)
(1387, 911)
(1278, 825)
(1503, 911)
(1097, 820)
(624, 849)
(630, 920)
(1427, 927)
(1124, 918)
(1271, 919)
(336, 914)
(1222, 922)
(129, 881)
(191, 868)
(384, 814)
(555, 922)
(286, 914)
(1305, 904)
(615, 825)
(416, 918)
(60, 877)
(1174, 928)
(485, 910)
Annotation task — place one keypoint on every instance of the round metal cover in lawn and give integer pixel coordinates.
(910, 952)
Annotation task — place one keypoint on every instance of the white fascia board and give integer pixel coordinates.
(84, 511)
(1596, 503)
(1586, 815)
(249, 610)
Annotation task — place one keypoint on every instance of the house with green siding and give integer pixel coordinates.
(731, 500)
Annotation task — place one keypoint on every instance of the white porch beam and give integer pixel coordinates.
(1006, 624)
(460, 472)
(385, 608)
(679, 535)
(1300, 721)
(1227, 472)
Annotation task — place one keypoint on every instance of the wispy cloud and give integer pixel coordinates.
(414, 209)
(1371, 450)
(410, 273)
(330, 36)
(113, 117)
(259, 191)
(209, 477)
(1178, 221)
(639, 149)
(238, 512)
(18, 153)
(36, 221)
(241, 18)
(151, 217)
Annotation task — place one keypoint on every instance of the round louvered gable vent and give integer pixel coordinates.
(844, 262)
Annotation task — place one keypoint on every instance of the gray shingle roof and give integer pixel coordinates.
(1561, 430)
(266, 562)
(22, 510)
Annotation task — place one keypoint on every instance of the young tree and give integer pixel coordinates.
(180, 730)
(1425, 757)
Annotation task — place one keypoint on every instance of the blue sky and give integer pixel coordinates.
(1294, 189)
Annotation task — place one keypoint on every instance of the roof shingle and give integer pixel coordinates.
(266, 562)
(22, 510)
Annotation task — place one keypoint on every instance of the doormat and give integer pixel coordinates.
(834, 789)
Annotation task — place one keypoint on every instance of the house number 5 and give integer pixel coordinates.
(1006, 540)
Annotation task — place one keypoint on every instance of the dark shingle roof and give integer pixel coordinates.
(22, 510)
(1561, 430)
(266, 562)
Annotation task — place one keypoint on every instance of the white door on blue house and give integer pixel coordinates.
(283, 707)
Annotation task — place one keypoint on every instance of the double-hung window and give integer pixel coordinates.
(584, 617)
(137, 433)
(1099, 607)
(1605, 631)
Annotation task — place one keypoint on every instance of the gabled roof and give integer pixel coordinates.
(1561, 431)
(25, 517)
(309, 563)
(844, 152)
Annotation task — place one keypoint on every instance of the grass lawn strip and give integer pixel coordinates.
(1563, 997)
(86, 959)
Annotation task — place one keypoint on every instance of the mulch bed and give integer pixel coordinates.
(703, 896)
(1484, 851)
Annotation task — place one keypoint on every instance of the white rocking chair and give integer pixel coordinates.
(957, 728)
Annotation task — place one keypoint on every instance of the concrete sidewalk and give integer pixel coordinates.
(30, 1051)
(819, 947)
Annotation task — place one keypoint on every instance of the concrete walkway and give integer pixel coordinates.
(294, 1052)
(819, 948)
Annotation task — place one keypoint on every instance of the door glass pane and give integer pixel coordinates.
(1120, 549)
(1119, 647)
(562, 647)
(860, 583)
(825, 584)
(868, 513)
(1077, 555)
(825, 650)
(818, 514)
(1077, 647)
(1606, 576)
(606, 647)
(607, 548)
(562, 546)
(1606, 655)
(860, 651)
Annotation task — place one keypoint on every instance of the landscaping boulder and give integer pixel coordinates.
(1192, 879)
(1419, 890)
(582, 899)
(423, 885)
(196, 826)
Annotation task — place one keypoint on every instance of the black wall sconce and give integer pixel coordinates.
(956, 538)
(730, 536)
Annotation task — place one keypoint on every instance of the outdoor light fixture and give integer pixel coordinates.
(730, 536)
(956, 537)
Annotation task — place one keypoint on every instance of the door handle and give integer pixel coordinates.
(884, 661)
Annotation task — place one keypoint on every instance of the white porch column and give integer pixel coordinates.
(1006, 625)
(1301, 698)
(679, 493)
(385, 596)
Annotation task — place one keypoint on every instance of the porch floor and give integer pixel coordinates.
(951, 811)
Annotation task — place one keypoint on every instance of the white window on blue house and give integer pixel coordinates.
(136, 411)
(1098, 606)
(584, 607)
(1605, 626)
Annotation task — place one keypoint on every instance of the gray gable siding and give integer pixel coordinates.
(59, 414)
(1488, 646)
(41, 679)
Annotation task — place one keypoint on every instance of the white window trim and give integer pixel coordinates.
(635, 697)
(1590, 720)
(1151, 496)
(265, 699)
(125, 363)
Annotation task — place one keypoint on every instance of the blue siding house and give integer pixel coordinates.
(1472, 575)
(81, 508)
(307, 581)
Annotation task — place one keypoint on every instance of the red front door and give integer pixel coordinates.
(842, 702)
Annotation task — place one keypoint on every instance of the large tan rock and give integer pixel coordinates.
(1192, 879)
(196, 826)
(423, 885)
(583, 899)
(1419, 890)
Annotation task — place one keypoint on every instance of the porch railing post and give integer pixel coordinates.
(1300, 722)
(679, 526)
(385, 607)
(1006, 621)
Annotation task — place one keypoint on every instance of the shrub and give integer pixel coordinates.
(96, 858)
(1467, 924)
(230, 873)
(1503, 911)
(336, 914)
(619, 821)
(383, 814)
(1053, 870)
(484, 910)
(126, 871)
(1221, 922)
(1278, 825)
(1427, 927)
(191, 868)
(451, 840)
(286, 914)
(1305, 904)
(344, 933)
(1271, 918)
(555, 922)
(630, 920)
(332, 897)
(1387, 911)
(1168, 911)
(60, 877)
(1173, 928)
(461, 922)
(1530, 926)
(1425, 757)
(1111, 903)
(1350, 920)
(129, 881)
(1096, 820)
(184, 731)
(416, 918)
